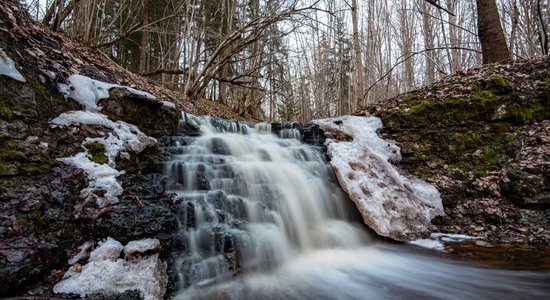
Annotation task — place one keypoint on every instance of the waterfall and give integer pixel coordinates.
(261, 216)
(250, 201)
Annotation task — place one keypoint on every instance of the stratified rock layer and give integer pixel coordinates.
(483, 139)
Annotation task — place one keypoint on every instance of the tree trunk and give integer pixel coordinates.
(143, 43)
(491, 36)
(427, 27)
(360, 90)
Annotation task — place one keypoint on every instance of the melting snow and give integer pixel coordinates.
(108, 250)
(88, 91)
(7, 67)
(437, 240)
(122, 138)
(106, 273)
(100, 177)
(391, 204)
(124, 135)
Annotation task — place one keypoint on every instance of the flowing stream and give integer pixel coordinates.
(262, 217)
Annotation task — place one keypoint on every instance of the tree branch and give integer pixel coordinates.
(434, 3)
(135, 28)
(410, 55)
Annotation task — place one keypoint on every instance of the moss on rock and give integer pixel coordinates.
(6, 109)
(497, 85)
(96, 150)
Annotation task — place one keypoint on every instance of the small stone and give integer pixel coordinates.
(483, 244)
(77, 268)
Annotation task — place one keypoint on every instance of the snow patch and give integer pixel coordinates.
(109, 249)
(88, 91)
(83, 254)
(391, 204)
(438, 240)
(123, 137)
(7, 68)
(101, 177)
(107, 274)
(169, 104)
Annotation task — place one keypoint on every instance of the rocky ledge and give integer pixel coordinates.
(482, 138)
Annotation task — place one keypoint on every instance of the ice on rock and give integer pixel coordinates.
(7, 68)
(169, 104)
(141, 246)
(438, 240)
(392, 204)
(109, 249)
(107, 274)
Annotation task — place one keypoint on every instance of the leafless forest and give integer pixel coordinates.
(298, 59)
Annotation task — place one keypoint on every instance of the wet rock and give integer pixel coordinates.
(151, 116)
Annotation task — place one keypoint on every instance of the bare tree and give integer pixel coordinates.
(360, 83)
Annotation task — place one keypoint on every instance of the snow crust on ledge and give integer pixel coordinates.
(7, 67)
(108, 274)
(88, 91)
(392, 204)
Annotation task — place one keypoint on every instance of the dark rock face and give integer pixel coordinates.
(484, 146)
(42, 218)
(151, 116)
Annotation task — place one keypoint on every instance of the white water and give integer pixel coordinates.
(262, 218)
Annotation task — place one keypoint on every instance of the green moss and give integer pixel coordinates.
(35, 168)
(36, 220)
(516, 174)
(42, 91)
(477, 152)
(9, 150)
(483, 97)
(497, 84)
(3, 166)
(411, 99)
(527, 113)
(124, 163)
(96, 150)
(6, 109)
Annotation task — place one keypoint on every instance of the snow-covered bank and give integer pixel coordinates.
(392, 204)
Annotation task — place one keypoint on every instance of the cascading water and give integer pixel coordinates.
(262, 217)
